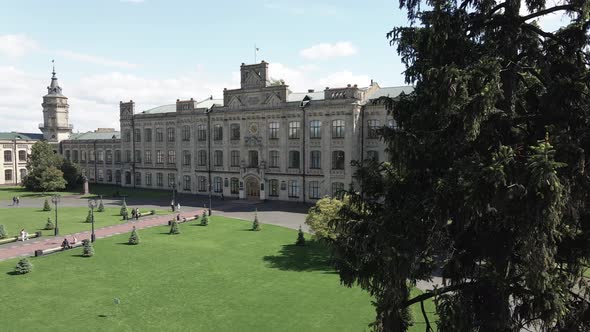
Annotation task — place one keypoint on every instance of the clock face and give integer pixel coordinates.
(253, 128)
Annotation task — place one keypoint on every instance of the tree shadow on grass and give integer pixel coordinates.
(314, 256)
(12, 273)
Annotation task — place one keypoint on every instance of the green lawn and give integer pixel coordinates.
(222, 277)
(6, 193)
(71, 219)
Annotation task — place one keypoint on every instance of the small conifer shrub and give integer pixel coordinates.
(256, 223)
(23, 266)
(89, 216)
(88, 250)
(174, 228)
(300, 238)
(49, 225)
(2, 232)
(100, 207)
(134, 237)
(46, 206)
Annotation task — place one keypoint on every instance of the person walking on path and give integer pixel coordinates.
(172, 205)
(17, 200)
(178, 207)
(13, 200)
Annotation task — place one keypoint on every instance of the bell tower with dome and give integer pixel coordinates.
(55, 126)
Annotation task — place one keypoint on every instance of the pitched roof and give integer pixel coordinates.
(21, 136)
(393, 91)
(207, 103)
(92, 135)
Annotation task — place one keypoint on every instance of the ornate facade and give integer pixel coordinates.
(260, 141)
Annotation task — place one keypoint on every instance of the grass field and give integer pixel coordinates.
(7, 192)
(222, 277)
(71, 219)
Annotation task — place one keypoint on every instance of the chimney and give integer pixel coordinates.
(310, 90)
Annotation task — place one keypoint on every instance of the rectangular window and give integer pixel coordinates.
(100, 175)
(273, 188)
(7, 156)
(202, 132)
(148, 134)
(187, 182)
(373, 126)
(148, 179)
(316, 160)
(137, 179)
(294, 159)
(294, 128)
(127, 135)
(218, 158)
(234, 186)
(109, 175)
(109, 156)
(22, 155)
(8, 175)
(117, 156)
(235, 158)
(91, 155)
(75, 156)
(186, 133)
(253, 159)
(170, 133)
(337, 159)
(137, 135)
(171, 157)
(273, 130)
(159, 135)
(100, 156)
(202, 157)
(202, 183)
(294, 188)
(373, 155)
(159, 179)
(314, 190)
(217, 132)
(235, 131)
(217, 184)
(315, 129)
(171, 180)
(337, 189)
(338, 129)
(148, 156)
(83, 156)
(137, 156)
(159, 157)
(273, 158)
(127, 156)
(186, 158)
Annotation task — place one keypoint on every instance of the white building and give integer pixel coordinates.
(260, 141)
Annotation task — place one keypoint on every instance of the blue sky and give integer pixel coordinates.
(155, 51)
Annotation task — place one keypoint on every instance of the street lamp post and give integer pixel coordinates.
(209, 198)
(55, 199)
(92, 205)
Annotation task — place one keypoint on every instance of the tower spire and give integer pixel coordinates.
(53, 72)
(54, 89)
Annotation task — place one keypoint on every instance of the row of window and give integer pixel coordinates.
(22, 156)
(294, 131)
(8, 174)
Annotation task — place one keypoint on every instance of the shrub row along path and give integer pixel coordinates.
(27, 248)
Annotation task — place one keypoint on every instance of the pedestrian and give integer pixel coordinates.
(17, 200)
(13, 200)
(172, 205)
(132, 213)
(136, 213)
(66, 244)
(178, 217)
(178, 207)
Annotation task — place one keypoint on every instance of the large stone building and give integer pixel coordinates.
(260, 141)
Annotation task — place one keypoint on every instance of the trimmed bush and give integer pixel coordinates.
(100, 207)
(2, 232)
(23, 266)
(204, 219)
(46, 206)
(134, 237)
(300, 238)
(255, 223)
(88, 250)
(49, 225)
(174, 228)
(89, 216)
(124, 212)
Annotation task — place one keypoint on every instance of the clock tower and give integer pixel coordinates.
(55, 126)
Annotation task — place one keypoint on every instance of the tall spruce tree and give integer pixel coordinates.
(488, 178)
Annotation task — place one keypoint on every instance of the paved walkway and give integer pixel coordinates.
(27, 248)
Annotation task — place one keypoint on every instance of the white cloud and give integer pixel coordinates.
(94, 99)
(327, 50)
(17, 45)
(97, 60)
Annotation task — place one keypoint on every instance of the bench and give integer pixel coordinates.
(183, 220)
(141, 215)
(18, 238)
(56, 249)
